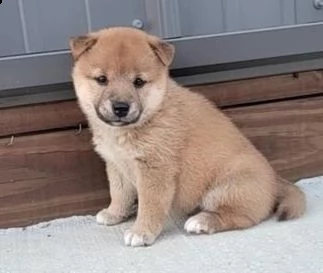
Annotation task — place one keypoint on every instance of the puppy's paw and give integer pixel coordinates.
(135, 239)
(104, 217)
(197, 224)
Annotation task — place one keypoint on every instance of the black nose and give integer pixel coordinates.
(120, 108)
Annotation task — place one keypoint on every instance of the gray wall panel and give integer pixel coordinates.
(163, 18)
(35, 70)
(106, 13)
(50, 23)
(288, 13)
(39, 26)
(198, 17)
(306, 12)
(256, 14)
(55, 67)
(11, 36)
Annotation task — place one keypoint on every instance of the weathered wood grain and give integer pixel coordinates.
(50, 172)
(48, 176)
(40, 117)
(263, 89)
(35, 118)
(289, 134)
(57, 174)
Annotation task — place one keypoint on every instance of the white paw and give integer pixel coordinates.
(105, 218)
(134, 239)
(193, 226)
(196, 225)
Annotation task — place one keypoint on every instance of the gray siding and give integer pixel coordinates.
(255, 14)
(49, 24)
(217, 16)
(44, 25)
(306, 13)
(11, 35)
(200, 17)
(105, 13)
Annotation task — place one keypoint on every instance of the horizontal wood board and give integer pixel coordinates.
(66, 114)
(57, 174)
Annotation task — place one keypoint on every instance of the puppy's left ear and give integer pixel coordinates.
(81, 44)
(163, 50)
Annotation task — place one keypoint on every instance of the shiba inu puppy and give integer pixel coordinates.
(167, 147)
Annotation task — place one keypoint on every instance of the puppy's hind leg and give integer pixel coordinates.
(220, 220)
(237, 203)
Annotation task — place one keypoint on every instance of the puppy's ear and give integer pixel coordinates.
(163, 50)
(81, 44)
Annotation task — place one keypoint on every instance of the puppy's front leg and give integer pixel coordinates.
(123, 195)
(156, 188)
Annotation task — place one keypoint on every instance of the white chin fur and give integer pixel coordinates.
(152, 102)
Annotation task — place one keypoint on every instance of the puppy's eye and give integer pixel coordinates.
(138, 82)
(102, 80)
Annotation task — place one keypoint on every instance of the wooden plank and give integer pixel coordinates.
(289, 134)
(35, 118)
(48, 176)
(57, 174)
(263, 89)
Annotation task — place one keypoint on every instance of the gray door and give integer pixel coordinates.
(35, 26)
(212, 37)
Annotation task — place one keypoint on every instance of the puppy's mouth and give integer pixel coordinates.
(117, 121)
(120, 123)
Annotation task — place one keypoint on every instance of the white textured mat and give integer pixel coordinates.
(78, 245)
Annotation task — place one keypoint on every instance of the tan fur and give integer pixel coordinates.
(181, 153)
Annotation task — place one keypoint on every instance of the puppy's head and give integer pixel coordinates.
(120, 74)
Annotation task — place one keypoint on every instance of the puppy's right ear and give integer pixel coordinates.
(81, 44)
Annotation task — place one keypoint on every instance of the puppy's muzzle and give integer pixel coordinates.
(118, 113)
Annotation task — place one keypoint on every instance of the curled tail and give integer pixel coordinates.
(291, 201)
